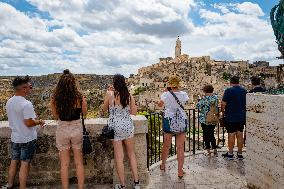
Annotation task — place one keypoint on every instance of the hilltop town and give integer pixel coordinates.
(150, 82)
(195, 72)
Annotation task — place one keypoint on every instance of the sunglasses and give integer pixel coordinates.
(30, 86)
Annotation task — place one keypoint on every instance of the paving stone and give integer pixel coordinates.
(201, 173)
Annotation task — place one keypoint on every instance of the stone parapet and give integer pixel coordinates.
(100, 169)
(265, 141)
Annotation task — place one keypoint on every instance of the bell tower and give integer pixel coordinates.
(178, 48)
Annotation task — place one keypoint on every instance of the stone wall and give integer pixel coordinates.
(45, 168)
(265, 141)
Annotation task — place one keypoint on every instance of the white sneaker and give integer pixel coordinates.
(118, 186)
(136, 186)
(6, 187)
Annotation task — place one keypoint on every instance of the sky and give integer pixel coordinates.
(119, 36)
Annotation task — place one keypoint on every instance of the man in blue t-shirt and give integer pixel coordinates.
(234, 113)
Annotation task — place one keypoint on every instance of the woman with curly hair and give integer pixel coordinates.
(121, 105)
(67, 104)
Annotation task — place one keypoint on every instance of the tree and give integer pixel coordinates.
(139, 90)
(226, 76)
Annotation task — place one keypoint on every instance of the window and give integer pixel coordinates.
(143, 84)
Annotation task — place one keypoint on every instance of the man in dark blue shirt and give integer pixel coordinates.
(234, 113)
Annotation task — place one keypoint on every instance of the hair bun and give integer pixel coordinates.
(66, 71)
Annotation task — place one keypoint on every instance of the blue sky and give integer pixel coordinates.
(266, 6)
(106, 37)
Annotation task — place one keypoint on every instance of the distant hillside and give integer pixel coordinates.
(93, 87)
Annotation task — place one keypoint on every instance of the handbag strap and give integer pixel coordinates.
(177, 100)
(82, 117)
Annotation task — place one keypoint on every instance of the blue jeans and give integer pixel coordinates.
(23, 151)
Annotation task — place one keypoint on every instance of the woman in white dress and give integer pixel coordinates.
(121, 105)
(174, 122)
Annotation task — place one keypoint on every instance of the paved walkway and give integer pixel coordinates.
(201, 173)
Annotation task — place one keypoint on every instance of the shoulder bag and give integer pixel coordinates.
(178, 123)
(87, 146)
(107, 131)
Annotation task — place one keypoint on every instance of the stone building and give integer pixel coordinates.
(195, 72)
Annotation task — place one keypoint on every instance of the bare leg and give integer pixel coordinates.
(23, 174)
(231, 142)
(166, 148)
(129, 144)
(12, 172)
(64, 170)
(119, 156)
(180, 152)
(240, 141)
(78, 158)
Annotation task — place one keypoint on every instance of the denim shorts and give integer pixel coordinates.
(23, 151)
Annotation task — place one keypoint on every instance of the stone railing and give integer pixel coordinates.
(265, 141)
(45, 167)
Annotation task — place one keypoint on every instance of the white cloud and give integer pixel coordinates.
(221, 53)
(223, 8)
(154, 17)
(237, 33)
(250, 9)
(123, 35)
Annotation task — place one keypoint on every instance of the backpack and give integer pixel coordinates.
(212, 117)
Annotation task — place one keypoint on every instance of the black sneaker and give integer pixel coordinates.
(240, 156)
(228, 156)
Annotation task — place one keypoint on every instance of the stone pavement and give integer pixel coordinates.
(201, 173)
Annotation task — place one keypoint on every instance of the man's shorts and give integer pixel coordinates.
(234, 127)
(23, 151)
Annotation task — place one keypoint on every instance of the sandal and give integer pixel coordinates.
(208, 154)
(181, 176)
(215, 153)
(163, 168)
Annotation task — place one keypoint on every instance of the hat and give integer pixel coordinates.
(174, 81)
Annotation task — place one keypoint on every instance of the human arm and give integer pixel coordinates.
(105, 105)
(30, 116)
(161, 103)
(33, 122)
(133, 107)
(84, 106)
(224, 102)
(53, 109)
(223, 107)
(199, 104)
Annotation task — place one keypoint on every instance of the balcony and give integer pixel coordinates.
(263, 167)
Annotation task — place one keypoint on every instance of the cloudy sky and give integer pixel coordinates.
(119, 36)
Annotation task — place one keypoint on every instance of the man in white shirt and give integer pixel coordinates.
(22, 121)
